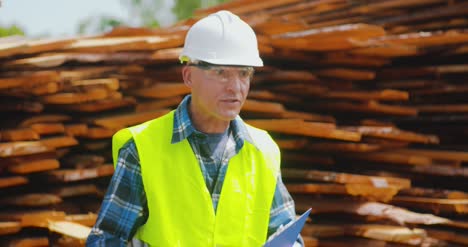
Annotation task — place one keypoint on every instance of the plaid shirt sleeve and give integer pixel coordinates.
(282, 210)
(124, 207)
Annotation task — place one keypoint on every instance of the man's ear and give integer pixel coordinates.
(186, 75)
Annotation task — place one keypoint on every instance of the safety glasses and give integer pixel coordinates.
(224, 73)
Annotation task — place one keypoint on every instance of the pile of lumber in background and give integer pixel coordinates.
(367, 100)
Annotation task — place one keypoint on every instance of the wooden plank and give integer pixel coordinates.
(338, 147)
(113, 44)
(82, 73)
(30, 79)
(444, 108)
(34, 166)
(10, 149)
(11, 48)
(45, 118)
(165, 55)
(398, 215)
(387, 233)
(98, 133)
(291, 144)
(437, 154)
(70, 229)
(347, 74)
(457, 238)
(69, 175)
(74, 98)
(393, 133)
(124, 120)
(76, 129)
(9, 228)
(350, 59)
(262, 107)
(36, 218)
(306, 116)
(384, 95)
(299, 127)
(298, 158)
(434, 193)
(387, 51)
(59, 141)
(27, 242)
(162, 90)
(369, 192)
(459, 206)
(76, 190)
(392, 158)
(344, 31)
(84, 161)
(158, 104)
(429, 13)
(370, 107)
(48, 128)
(23, 134)
(101, 105)
(31, 200)
(346, 178)
(286, 76)
(83, 219)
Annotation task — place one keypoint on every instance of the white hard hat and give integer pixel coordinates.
(222, 38)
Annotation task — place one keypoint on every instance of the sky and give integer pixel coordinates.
(58, 18)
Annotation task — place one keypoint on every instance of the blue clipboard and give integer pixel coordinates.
(288, 235)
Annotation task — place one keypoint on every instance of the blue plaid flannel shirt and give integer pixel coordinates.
(124, 207)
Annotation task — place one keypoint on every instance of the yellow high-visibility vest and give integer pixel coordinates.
(180, 208)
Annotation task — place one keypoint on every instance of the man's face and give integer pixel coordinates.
(218, 92)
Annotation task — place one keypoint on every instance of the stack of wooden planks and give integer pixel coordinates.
(367, 101)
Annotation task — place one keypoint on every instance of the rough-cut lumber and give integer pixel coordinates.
(300, 127)
(33, 200)
(344, 178)
(9, 227)
(59, 141)
(393, 133)
(71, 229)
(434, 204)
(34, 166)
(12, 181)
(45, 118)
(370, 192)
(163, 90)
(26, 242)
(364, 98)
(83, 219)
(68, 175)
(24, 134)
(122, 121)
(125, 43)
(376, 209)
(9, 149)
(449, 236)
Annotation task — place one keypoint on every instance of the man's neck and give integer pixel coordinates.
(206, 124)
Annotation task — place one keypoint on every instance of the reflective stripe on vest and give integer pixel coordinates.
(181, 211)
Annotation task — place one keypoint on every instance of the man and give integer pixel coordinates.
(199, 176)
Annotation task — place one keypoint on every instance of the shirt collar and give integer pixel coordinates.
(183, 126)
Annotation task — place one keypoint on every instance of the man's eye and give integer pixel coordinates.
(244, 73)
(219, 71)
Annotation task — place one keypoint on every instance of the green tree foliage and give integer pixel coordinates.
(146, 13)
(98, 24)
(184, 9)
(11, 30)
